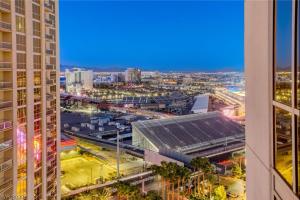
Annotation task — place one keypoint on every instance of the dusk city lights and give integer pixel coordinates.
(149, 100)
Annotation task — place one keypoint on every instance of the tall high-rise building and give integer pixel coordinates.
(272, 69)
(133, 75)
(29, 100)
(78, 79)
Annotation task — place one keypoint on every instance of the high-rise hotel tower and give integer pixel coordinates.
(29, 99)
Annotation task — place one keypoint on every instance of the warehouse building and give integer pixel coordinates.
(204, 134)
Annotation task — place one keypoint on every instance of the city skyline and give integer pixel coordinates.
(166, 41)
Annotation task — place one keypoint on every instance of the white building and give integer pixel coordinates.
(78, 79)
(132, 75)
(201, 104)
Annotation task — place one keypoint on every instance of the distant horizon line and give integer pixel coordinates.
(121, 69)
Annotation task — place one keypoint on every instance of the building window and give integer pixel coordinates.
(20, 6)
(21, 115)
(37, 111)
(283, 144)
(283, 54)
(37, 78)
(36, 12)
(21, 97)
(37, 61)
(36, 28)
(21, 79)
(21, 60)
(37, 95)
(36, 45)
(21, 42)
(20, 24)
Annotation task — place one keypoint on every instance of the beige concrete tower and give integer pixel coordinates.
(272, 71)
(29, 99)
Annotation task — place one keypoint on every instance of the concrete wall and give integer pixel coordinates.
(258, 74)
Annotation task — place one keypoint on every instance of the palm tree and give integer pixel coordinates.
(182, 174)
(201, 165)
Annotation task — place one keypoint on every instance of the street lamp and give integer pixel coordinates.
(118, 155)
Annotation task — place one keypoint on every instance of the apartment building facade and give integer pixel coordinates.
(29, 100)
(272, 69)
(78, 80)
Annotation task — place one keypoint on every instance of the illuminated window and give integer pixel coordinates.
(21, 79)
(21, 155)
(21, 97)
(37, 95)
(21, 115)
(37, 78)
(283, 144)
(20, 24)
(37, 111)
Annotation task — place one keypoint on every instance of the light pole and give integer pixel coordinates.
(118, 156)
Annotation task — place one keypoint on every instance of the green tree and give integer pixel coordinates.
(219, 193)
(236, 171)
(152, 195)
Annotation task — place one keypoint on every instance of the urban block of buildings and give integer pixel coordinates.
(29, 100)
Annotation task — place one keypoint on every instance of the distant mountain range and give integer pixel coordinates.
(104, 69)
(122, 69)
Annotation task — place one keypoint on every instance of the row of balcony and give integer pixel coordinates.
(50, 51)
(5, 46)
(6, 165)
(4, 6)
(5, 183)
(5, 26)
(5, 124)
(49, 5)
(5, 65)
(5, 85)
(49, 37)
(6, 145)
(5, 104)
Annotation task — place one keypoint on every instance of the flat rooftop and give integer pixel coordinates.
(188, 132)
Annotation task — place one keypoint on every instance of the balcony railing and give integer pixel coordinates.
(50, 51)
(6, 145)
(4, 6)
(5, 183)
(49, 81)
(5, 85)
(49, 111)
(5, 25)
(5, 46)
(6, 165)
(50, 22)
(5, 104)
(49, 97)
(49, 37)
(5, 65)
(49, 66)
(49, 5)
(5, 124)
(21, 65)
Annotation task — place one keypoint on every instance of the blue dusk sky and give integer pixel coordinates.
(153, 35)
